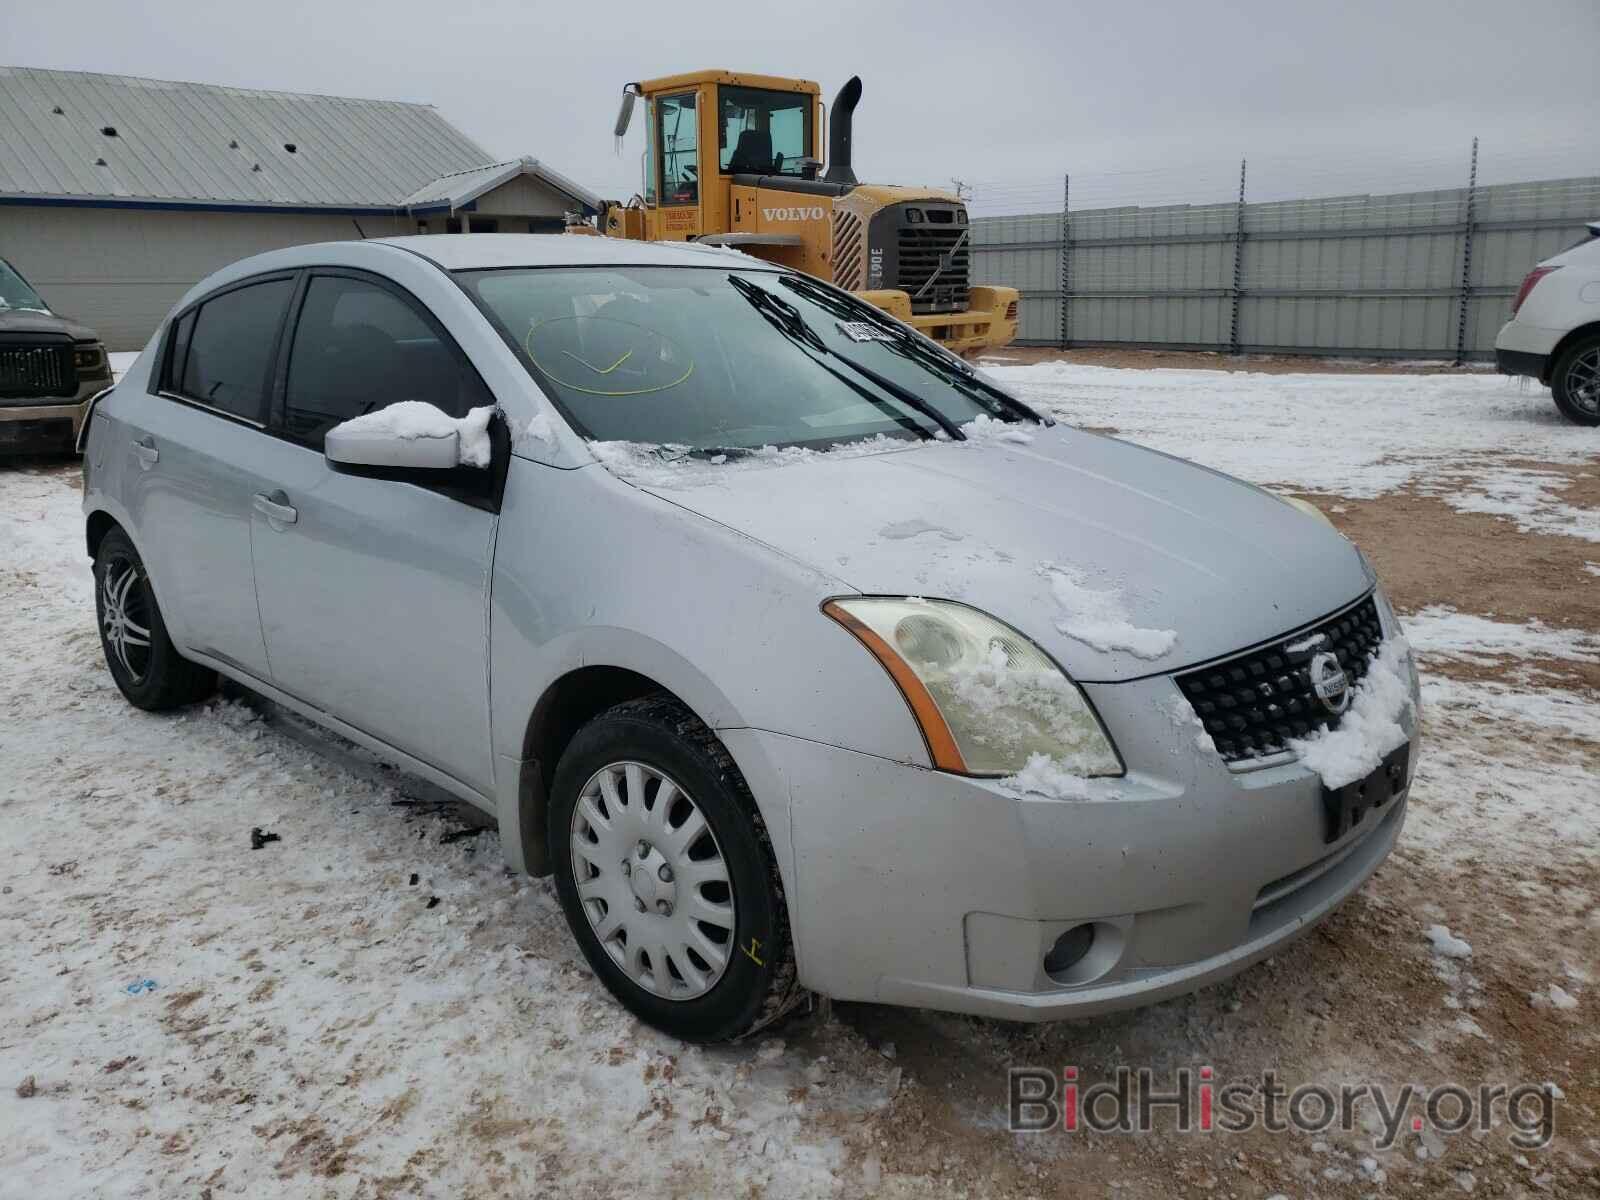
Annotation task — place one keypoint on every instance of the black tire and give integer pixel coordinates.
(1578, 367)
(758, 985)
(153, 676)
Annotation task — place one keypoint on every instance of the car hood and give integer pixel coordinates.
(26, 320)
(1073, 538)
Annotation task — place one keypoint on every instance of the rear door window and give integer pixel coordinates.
(226, 360)
(359, 347)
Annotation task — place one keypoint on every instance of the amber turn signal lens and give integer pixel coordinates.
(942, 747)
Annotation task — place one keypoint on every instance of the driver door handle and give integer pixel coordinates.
(276, 507)
(145, 450)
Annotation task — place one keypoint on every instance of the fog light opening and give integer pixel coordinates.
(1069, 950)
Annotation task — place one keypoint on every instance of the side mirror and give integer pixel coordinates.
(408, 435)
(624, 114)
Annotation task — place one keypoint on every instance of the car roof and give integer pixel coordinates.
(480, 251)
(467, 251)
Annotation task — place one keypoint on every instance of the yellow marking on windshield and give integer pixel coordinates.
(527, 348)
(645, 391)
(626, 355)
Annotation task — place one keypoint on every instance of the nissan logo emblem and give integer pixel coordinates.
(1330, 683)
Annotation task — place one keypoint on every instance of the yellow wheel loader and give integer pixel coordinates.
(735, 160)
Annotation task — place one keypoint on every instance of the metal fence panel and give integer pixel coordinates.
(1416, 274)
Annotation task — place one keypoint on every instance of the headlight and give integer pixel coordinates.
(1305, 506)
(90, 359)
(1386, 614)
(985, 697)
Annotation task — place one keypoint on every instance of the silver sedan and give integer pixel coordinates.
(802, 654)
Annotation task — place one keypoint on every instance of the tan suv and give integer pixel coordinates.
(49, 368)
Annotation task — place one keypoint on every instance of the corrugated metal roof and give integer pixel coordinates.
(463, 187)
(200, 143)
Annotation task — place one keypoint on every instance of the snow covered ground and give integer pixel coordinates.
(1485, 443)
(372, 1006)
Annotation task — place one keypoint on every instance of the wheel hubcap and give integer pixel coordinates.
(125, 619)
(652, 880)
(1583, 381)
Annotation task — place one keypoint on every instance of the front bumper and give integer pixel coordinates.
(988, 323)
(45, 424)
(914, 887)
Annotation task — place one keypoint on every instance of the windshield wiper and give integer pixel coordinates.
(958, 373)
(787, 318)
(778, 311)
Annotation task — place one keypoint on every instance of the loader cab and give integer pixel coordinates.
(708, 132)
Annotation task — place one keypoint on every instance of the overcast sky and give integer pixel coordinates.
(1142, 101)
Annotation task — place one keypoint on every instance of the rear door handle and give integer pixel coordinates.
(276, 507)
(145, 450)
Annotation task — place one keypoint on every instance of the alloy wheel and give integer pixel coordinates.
(125, 616)
(1583, 381)
(652, 880)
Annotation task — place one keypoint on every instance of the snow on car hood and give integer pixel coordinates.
(1121, 561)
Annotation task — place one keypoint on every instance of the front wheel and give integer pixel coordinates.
(1575, 381)
(666, 874)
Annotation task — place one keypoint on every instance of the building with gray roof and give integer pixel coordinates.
(119, 193)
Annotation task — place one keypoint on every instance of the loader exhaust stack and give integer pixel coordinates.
(839, 129)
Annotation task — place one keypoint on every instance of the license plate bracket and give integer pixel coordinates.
(1345, 807)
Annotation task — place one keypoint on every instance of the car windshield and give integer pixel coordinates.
(15, 291)
(718, 360)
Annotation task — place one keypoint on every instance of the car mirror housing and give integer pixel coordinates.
(412, 435)
(382, 448)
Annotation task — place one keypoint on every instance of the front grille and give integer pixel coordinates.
(922, 247)
(44, 369)
(1253, 703)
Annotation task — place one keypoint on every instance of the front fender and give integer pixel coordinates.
(591, 571)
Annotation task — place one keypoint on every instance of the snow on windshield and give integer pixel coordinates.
(676, 466)
(983, 429)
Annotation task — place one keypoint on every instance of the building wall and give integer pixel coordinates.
(120, 271)
(524, 196)
(521, 205)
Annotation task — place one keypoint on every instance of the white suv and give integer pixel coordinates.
(1554, 331)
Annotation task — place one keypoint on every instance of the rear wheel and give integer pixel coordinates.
(143, 661)
(1575, 381)
(666, 874)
